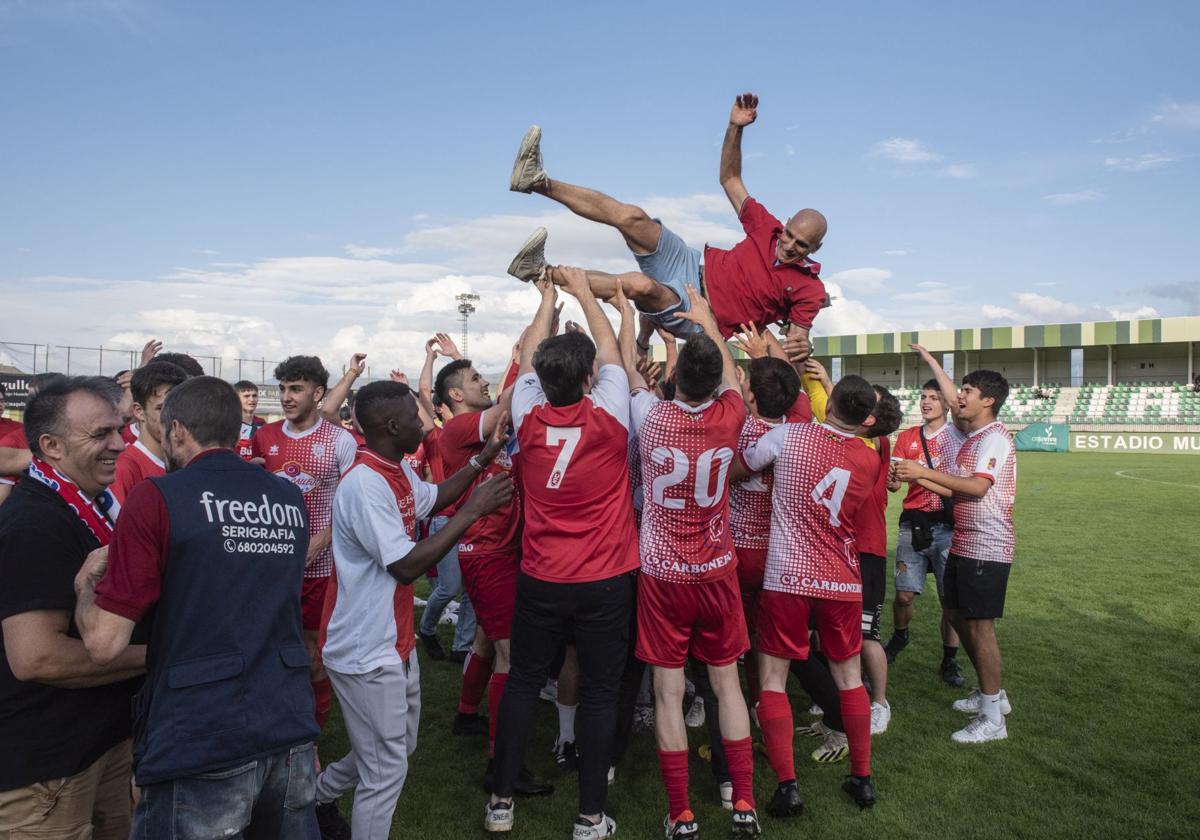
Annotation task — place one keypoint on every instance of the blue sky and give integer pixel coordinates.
(274, 177)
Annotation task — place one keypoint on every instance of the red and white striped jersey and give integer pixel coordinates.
(315, 461)
(822, 479)
(750, 500)
(686, 453)
(983, 528)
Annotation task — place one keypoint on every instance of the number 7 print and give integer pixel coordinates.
(568, 436)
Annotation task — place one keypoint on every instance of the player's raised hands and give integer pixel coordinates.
(576, 328)
(701, 314)
(745, 109)
(497, 441)
(358, 364)
(574, 280)
(797, 347)
(151, 349)
(489, 495)
(447, 347)
(649, 370)
(399, 376)
(751, 342)
(921, 351)
(817, 371)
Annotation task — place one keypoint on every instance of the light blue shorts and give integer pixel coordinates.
(913, 565)
(676, 266)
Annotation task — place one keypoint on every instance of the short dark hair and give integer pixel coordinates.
(932, 385)
(990, 384)
(39, 381)
(563, 363)
(450, 377)
(46, 412)
(302, 369)
(245, 385)
(775, 385)
(190, 366)
(149, 378)
(370, 407)
(208, 408)
(698, 368)
(887, 413)
(853, 399)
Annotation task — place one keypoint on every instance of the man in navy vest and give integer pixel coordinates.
(224, 724)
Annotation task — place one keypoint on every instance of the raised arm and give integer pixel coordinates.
(701, 313)
(745, 111)
(576, 282)
(425, 380)
(626, 340)
(335, 396)
(945, 384)
(539, 328)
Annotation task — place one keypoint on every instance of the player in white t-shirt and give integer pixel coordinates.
(984, 482)
(369, 647)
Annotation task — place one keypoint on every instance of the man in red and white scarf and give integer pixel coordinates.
(64, 720)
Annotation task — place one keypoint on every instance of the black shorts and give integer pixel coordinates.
(975, 588)
(874, 586)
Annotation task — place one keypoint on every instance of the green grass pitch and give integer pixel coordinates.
(1101, 650)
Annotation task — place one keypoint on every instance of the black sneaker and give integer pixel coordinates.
(526, 784)
(433, 648)
(860, 789)
(565, 755)
(331, 822)
(458, 657)
(952, 674)
(893, 647)
(786, 802)
(471, 724)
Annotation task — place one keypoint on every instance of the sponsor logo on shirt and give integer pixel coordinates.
(671, 565)
(294, 473)
(259, 526)
(319, 450)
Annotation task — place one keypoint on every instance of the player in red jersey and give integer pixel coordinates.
(823, 474)
(571, 412)
(313, 454)
(984, 483)
(926, 525)
(247, 393)
(688, 599)
(145, 458)
(765, 278)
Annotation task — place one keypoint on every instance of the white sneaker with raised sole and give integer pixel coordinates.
(584, 830)
(695, 716)
(881, 716)
(530, 262)
(498, 817)
(815, 729)
(980, 730)
(815, 710)
(726, 790)
(973, 703)
(527, 168)
(833, 749)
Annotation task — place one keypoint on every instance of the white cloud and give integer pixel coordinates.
(1080, 197)
(368, 252)
(848, 316)
(959, 171)
(1178, 115)
(862, 280)
(903, 150)
(1140, 163)
(898, 252)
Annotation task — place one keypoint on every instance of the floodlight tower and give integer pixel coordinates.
(466, 308)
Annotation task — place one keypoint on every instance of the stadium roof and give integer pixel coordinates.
(1085, 334)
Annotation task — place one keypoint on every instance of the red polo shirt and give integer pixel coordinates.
(745, 284)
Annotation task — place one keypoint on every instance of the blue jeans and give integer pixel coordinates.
(913, 565)
(269, 798)
(449, 584)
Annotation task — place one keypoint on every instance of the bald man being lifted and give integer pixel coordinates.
(765, 278)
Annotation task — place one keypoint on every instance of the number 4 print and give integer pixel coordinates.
(838, 479)
(569, 438)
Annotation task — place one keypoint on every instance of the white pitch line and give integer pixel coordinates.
(1123, 474)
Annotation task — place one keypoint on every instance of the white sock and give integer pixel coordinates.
(989, 705)
(566, 723)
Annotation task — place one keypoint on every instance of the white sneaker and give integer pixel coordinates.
(973, 703)
(726, 789)
(980, 730)
(612, 773)
(881, 716)
(530, 262)
(449, 618)
(695, 715)
(498, 817)
(833, 749)
(584, 830)
(815, 710)
(418, 601)
(527, 168)
(549, 691)
(816, 729)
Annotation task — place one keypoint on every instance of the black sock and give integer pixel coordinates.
(949, 652)
(901, 633)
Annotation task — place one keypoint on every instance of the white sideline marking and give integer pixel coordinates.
(1124, 474)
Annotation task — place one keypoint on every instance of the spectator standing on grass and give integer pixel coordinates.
(984, 483)
(225, 727)
(64, 720)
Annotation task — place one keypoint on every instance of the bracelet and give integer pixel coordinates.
(474, 462)
(645, 348)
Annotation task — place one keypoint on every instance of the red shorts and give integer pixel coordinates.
(491, 582)
(312, 602)
(703, 618)
(782, 626)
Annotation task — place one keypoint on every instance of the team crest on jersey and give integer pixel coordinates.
(319, 450)
(991, 463)
(716, 527)
(294, 473)
(274, 450)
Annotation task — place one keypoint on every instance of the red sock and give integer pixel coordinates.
(495, 693)
(474, 682)
(739, 756)
(674, 768)
(775, 721)
(323, 694)
(856, 716)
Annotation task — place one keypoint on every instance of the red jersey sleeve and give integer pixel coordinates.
(137, 555)
(755, 217)
(510, 376)
(805, 299)
(460, 439)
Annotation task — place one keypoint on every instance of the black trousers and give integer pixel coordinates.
(596, 617)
